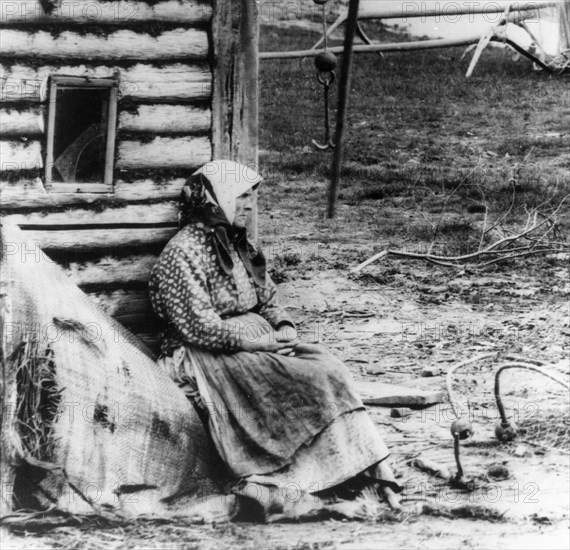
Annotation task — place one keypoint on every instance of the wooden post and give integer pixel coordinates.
(343, 91)
(235, 37)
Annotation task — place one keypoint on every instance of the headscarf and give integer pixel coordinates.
(209, 196)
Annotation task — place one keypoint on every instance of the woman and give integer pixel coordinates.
(283, 415)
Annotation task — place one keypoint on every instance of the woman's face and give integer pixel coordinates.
(244, 206)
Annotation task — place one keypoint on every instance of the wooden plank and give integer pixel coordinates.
(28, 123)
(19, 155)
(32, 194)
(235, 31)
(161, 213)
(393, 395)
(164, 152)
(79, 12)
(166, 119)
(141, 82)
(234, 98)
(121, 44)
(97, 239)
(112, 270)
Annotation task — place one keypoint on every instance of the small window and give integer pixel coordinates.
(81, 134)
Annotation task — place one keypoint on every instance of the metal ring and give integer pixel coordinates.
(326, 78)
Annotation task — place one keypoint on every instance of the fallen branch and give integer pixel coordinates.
(452, 261)
(505, 248)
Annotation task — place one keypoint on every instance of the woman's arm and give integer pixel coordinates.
(271, 310)
(179, 291)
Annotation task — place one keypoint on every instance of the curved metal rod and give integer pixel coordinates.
(326, 78)
(518, 365)
(456, 447)
(458, 366)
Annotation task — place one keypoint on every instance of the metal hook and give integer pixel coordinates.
(326, 78)
(323, 147)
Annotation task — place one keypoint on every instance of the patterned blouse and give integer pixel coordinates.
(193, 295)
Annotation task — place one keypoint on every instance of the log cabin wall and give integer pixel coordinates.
(186, 78)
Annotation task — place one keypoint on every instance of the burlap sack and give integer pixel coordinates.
(89, 422)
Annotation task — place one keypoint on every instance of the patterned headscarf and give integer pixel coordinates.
(219, 183)
(209, 196)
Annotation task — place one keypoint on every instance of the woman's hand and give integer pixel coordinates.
(286, 333)
(267, 342)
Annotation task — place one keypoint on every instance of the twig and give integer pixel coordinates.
(509, 210)
(520, 255)
(533, 227)
(552, 243)
(440, 219)
(483, 232)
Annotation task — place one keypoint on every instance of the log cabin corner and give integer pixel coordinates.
(107, 107)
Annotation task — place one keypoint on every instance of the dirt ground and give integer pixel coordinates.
(407, 322)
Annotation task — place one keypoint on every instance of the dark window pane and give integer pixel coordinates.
(80, 135)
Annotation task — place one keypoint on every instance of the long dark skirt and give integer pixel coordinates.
(279, 420)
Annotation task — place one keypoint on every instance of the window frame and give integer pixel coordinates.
(69, 82)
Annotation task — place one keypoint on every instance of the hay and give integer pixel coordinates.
(94, 426)
(37, 400)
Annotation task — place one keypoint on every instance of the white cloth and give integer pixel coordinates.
(229, 180)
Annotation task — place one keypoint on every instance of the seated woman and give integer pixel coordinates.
(283, 415)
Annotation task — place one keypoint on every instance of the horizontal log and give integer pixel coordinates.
(123, 302)
(31, 194)
(18, 155)
(100, 239)
(78, 12)
(22, 123)
(166, 119)
(384, 47)
(122, 44)
(149, 190)
(133, 310)
(141, 82)
(444, 8)
(164, 152)
(112, 271)
(160, 213)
